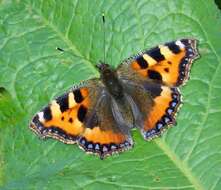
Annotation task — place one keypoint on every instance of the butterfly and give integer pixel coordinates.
(142, 92)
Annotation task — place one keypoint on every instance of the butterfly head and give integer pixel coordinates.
(103, 67)
(105, 70)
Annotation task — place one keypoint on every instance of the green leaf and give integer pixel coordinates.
(33, 72)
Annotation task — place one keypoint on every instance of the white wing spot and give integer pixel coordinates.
(41, 116)
(180, 44)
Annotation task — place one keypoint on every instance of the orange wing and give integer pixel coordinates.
(160, 71)
(62, 118)
(105, 136)
(162, 113)
(169, 63)
(104, 142)
(81, 116)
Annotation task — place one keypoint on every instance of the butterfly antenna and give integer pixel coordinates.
(103, 18)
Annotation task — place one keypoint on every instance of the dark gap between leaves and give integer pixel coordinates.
(2, 90)
(218, 3)
(3, 93)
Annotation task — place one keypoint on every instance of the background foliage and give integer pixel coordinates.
(32, 72)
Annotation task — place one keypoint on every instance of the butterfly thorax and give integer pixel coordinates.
(110, 80)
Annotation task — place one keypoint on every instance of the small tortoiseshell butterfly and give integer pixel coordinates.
(141, 93)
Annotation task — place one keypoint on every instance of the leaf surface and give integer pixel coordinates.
(33, 72)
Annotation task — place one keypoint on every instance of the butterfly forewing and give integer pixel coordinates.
(168, 63)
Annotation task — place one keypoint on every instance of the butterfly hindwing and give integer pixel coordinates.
(162, 113)
(105, 136)
(157, 105)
